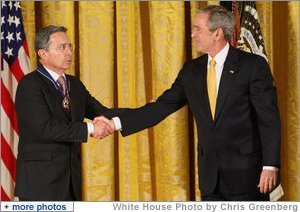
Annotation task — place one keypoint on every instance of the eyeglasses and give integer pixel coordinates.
(64, 47)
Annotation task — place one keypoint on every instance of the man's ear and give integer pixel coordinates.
(219, 34)
(42, 53)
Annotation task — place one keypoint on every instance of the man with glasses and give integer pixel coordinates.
(51, 106)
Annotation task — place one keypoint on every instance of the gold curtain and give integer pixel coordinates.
(127, 53)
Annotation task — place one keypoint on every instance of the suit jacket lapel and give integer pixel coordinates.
(201, 87)
(72, 99)
(55, 93)
(51, 87)
(228, 75)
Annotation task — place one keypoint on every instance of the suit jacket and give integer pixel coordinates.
(49, 151)
(245, 134)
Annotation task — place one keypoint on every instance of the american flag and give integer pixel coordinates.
(14, 65)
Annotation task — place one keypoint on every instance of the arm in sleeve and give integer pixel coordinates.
(94, 108)
(134, 120)
(35, 115)
(264, 100)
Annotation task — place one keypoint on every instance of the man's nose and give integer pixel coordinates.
(193, 34)
(69, 51)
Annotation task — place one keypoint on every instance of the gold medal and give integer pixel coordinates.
(66, 103)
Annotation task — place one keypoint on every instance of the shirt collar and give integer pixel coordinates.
(53, 74)
(221, 56)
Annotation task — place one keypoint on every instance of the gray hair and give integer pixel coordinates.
(43, 36)
(220, 17)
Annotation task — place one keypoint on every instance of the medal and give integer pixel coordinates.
(66, 103)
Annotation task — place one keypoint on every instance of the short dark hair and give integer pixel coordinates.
(43, 36)
(220, 17)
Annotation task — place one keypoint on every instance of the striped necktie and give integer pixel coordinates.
(62, 83)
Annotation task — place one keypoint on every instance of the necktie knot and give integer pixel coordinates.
(212, 63)
(62, 83)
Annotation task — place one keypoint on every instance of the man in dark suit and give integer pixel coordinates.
(237, 117)
(50, 115)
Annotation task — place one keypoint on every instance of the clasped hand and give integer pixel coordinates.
(102, 127)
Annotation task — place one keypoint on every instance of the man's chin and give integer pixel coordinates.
(199, 49)
(69, 66)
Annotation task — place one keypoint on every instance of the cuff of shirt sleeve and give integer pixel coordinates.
(90, 128)
(117, 123)
(272, 168)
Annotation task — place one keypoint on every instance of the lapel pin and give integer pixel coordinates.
(231, 72)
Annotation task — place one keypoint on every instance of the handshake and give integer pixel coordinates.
(102, 127)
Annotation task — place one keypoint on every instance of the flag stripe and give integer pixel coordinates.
(9, 81)
(9, 133)
(16, 70)
(4, 196)
(24, 59)
(8, 157)
(8, 186)
(8, 106)
(25, 46)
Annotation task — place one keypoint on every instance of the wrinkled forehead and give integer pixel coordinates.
(201, 19)
(59, 38)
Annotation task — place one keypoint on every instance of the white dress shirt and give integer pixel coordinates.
(220, 60)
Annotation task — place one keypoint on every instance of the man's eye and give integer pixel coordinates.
(63, 47)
